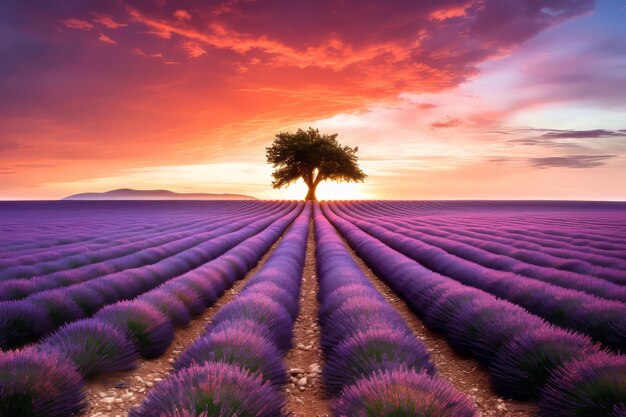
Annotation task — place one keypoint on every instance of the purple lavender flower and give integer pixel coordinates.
(59, 305)
(403, 393)
(238, 347)
(94, 346)
(335, 299)
(480, 327)
(206, 289)
(108, 292)
(524, 364)
(216, 389)
(169, 305)
(369, 352)
(88, 299)
(39, 384)
(143, 324)
(16, 289)
(447, 306)
(22, 322)
(241, 324)
(278, 294)
(263, 310)
(593, 385)
(356, 316)
(187, 295)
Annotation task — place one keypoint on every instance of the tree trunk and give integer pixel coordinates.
(310, 196)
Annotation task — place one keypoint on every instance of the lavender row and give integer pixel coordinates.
(588, 284)
(564, 257)
(108, 237)
(27, 320)
(236, 367)
(526, 233)
(133, 250)
(115, 337)
(17, 289)
(546, 230)
(569, 259)
(374, 366)
(527, 357)
(604, 282)
(29, 231)
(534, 256)
(513, 212)
(598, 218)
(489, 230)
(578, 232)
(148, 226)
(87, 217)
(604, 320)
(36, 238)
(491, 222)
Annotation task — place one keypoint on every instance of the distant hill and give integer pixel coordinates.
(129, 194)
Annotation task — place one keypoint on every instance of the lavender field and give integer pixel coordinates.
(312, 308)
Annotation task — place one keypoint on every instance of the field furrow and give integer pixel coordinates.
(305, 398)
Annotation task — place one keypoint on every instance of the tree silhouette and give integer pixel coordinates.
(314, 157)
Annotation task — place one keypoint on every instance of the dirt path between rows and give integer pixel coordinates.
(113, 395)
(304, 361)
(466, 374)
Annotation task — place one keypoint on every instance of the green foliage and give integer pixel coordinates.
(314, 157)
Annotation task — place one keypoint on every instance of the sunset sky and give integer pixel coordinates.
(499, 99)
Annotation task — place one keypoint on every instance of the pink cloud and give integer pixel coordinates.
(450, 12)
(74, 23)
(426, 106)
(106, 39)
(193, 50)
(444, 124)
(182, 14)
(108, 22)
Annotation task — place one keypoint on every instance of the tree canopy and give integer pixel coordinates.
(314, 157)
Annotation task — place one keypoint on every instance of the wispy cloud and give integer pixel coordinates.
(450, 12)
(108, 22)
(193, 50)
(106, 39)
(74, 23)
(445, 124)
(583, 134)
(570, 161)
(7, 145)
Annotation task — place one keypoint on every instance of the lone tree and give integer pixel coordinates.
(314, 157)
